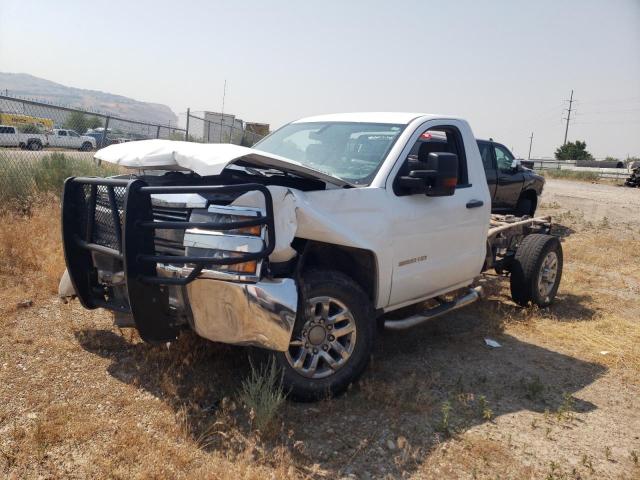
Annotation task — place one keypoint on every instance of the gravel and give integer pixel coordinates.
(594, 201)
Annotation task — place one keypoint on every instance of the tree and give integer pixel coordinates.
(94, 122)
(79, 122)
(29, 128)
(573, 151)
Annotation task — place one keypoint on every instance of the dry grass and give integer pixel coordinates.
(581, 176)
(32, 252)
(81, 399)
(603, 271)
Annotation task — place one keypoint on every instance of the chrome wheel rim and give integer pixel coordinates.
(547, 275)
(326, 341)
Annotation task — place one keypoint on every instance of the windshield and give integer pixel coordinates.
(352, 152)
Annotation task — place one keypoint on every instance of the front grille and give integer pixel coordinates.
(169, 242)
(104, 231)
(93, 210)
(171, 214)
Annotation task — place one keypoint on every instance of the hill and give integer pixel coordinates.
(25, 85)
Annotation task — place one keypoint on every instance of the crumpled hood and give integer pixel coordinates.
(202, 158)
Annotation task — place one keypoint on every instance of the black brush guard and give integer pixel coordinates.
(110, 221)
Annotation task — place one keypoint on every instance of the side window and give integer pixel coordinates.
(444, 139)
(6, 130)
(485, 153)
(73, 134)
(503, 158)
(62, 133)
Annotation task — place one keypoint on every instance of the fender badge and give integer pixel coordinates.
(412, 260)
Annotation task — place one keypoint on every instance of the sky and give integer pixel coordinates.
(505, 66)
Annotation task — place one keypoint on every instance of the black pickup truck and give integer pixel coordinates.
(514, 188)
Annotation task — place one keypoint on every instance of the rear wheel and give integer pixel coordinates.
(536, 270)
(86, 146)
(332, 338)
(34, 146)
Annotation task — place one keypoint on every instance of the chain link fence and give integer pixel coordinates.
(214, 127)
(41, 144)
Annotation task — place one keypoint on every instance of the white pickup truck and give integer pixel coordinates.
(71, 139)
(303, 244)
(10, 136)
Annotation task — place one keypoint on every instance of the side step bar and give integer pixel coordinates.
(471, 296)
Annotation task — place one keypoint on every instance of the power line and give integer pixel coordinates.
(622, 111)
(224, 94)
(614, 100)
(608, 122)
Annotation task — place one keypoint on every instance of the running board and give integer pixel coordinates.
(471, 296)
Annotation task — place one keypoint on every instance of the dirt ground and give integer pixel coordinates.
(594, 201)
(560, 399)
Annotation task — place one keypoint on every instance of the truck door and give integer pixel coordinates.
(62, 139)
(489, 164)
(73, 139)
(510, 180)
(439, 242)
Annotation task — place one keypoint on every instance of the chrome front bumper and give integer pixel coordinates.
(117, 260)
(260, 314)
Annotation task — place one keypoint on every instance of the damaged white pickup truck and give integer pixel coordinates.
(302, 244)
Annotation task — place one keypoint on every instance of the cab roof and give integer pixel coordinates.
(403, 118)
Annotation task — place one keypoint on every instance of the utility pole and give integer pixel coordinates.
(566, 130)
(530, 143)
(186, 131)
(224, 94)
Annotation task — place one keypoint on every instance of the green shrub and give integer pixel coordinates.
(50, 172)
(16, 183)
(22, 179)
(30, 128)
(571, 175)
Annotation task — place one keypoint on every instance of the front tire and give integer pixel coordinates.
(86, 147)
(34, 146)
(525, 206)
(332, 339)
(536, 270)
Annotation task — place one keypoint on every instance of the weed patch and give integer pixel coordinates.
(263, 396)
(23, 180)
(571, 175)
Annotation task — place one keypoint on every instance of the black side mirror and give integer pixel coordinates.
(437, 177)
(527, 164)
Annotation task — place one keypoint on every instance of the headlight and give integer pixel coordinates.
(245, 268)
(218, 244)
(255, 230)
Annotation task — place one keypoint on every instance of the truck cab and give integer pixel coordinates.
(513, 188)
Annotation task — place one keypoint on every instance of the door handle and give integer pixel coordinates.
(475, 203)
